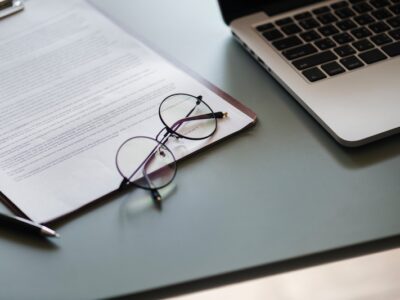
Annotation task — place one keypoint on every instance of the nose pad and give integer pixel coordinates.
(162, 153)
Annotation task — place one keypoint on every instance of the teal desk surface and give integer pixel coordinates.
(279, 191)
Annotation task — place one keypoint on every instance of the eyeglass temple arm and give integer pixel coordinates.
(216, 115)
(155, 194)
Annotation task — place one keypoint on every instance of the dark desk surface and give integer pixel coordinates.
(281, 190)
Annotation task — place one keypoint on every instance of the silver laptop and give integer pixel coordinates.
(339, 59)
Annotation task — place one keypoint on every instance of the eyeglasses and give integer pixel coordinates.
(147, 162)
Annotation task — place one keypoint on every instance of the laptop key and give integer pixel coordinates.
(372, 56)
(392, 50)
(362, 7)
(379, 27)
(299, 51)
(379, 3)
(345, 13)
(314, 60)
(321, 10)
(381, 39)
(343, 38)
(364, 19)
(381, 14)
(351, 63)
(325, 44)
(340, 4)
(346, 25)
(272, 35)
(284, 21)
(309, 23)
(328, 30)
(310, 36)
(291, 29)
(395, 34)
(333, 68)
(288, 42)
(344, 51)
(327, 18)
(314, 74)
(361, 33)
(363, 45)
(302, 16)
(394, 22)
(265, 27)
(395, 9)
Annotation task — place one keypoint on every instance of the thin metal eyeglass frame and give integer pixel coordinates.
(169, 133)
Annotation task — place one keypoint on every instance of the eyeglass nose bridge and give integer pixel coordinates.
(168, 133)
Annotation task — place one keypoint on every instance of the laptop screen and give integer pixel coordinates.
(232, 9)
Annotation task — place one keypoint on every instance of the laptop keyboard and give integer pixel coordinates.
(337, 38)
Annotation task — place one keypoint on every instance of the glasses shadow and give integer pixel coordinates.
(239, 65)
(134, 207)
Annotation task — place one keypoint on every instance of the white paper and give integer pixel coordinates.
(73, 87)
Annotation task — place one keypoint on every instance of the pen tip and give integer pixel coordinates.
(49, 232)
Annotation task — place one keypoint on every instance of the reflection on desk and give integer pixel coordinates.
(374, 276)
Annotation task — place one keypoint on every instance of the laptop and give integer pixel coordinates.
(339, 59)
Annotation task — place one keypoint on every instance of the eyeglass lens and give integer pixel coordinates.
(178, 112)
(146, 163)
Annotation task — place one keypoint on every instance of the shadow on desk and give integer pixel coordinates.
(25, 239)
(133, 202)
(237, 68)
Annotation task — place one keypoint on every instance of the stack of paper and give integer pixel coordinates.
(73, 87)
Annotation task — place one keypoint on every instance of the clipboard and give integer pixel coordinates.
(58, 204)
(10, 7)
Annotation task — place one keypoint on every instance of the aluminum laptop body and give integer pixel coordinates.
(339, 59)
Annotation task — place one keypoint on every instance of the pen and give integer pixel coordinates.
(27, 226)
(5, 3)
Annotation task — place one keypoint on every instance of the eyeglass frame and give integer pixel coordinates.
(157, 199)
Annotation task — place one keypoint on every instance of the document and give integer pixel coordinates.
(73, 87)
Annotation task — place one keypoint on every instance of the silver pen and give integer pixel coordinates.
(28, 226)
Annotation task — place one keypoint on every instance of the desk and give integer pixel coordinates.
(281, 190)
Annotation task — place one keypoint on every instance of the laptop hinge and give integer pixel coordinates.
(233, 9)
